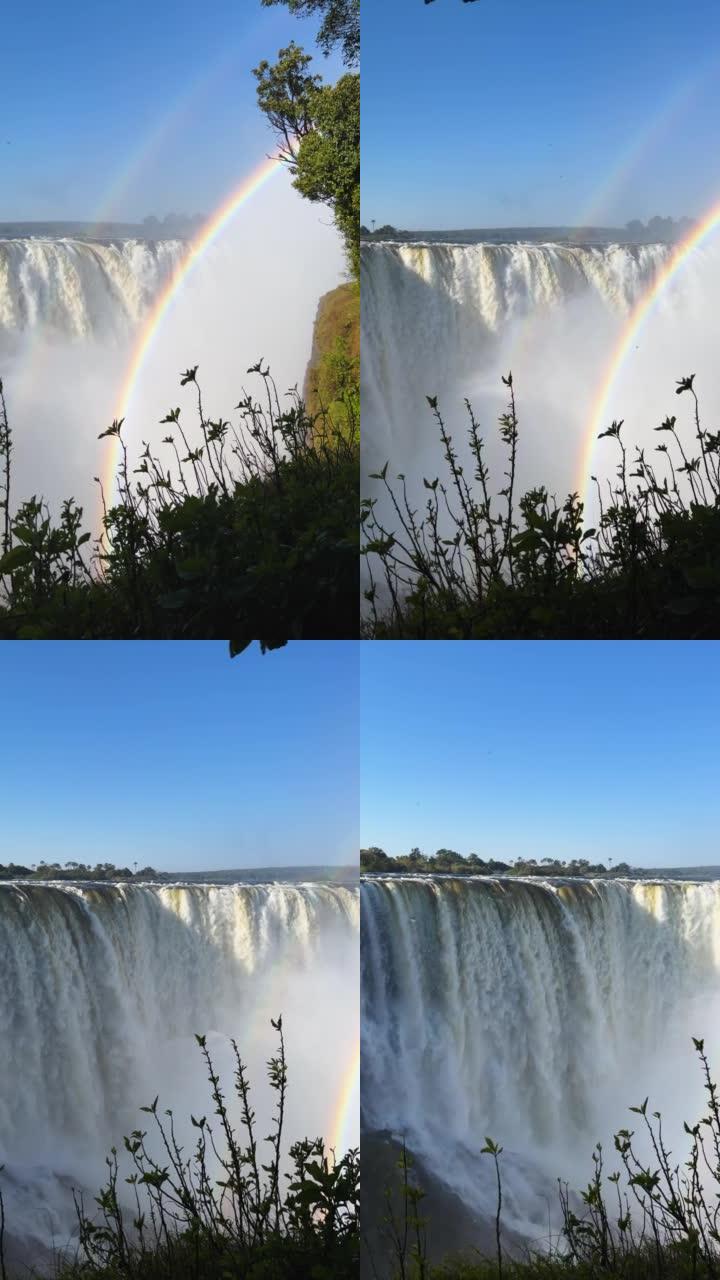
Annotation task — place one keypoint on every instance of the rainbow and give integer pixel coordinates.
(639, 145)
(344, 1109)
(637, 318)
(207, 234)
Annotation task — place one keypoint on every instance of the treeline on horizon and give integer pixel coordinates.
(656, 229)
(447, 861)
(75, 871)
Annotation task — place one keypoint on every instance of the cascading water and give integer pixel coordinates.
(104, 988)
(73, 312)
(449, 319)
(535, 1012)
(74, 288)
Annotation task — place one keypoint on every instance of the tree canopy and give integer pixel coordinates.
(340, 28)
(317, 127)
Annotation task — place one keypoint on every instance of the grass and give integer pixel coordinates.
(480, 563)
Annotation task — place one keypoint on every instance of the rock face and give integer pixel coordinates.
(452, 1229)
(334, 365)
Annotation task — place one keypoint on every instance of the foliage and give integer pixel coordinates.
(76, 871)
(477, 565)
(448, 862)
(333, 377)
(317, 127)
(651, 1218)
(340, 28)
(222, 1211)
(248, 533)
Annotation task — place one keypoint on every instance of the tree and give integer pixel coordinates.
(340, 24)
(317, 127)
(373, 859)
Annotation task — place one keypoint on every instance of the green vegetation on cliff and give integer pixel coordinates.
(333, 376)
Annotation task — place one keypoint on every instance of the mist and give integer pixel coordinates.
(450, 320)
(252, 293)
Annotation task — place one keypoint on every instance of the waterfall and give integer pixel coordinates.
(448, 320)
(78, 289)
(535, 1013)
(104, 988)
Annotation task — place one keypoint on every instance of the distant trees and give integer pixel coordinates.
(73, 870)
(172, 224)
(386, 232)
(447, 861)
(658, 229)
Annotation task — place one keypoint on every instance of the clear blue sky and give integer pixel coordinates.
(517, 112)
(174, 755)
(557, 749)
(85, 87)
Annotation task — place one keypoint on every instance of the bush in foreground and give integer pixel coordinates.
(221, 1212)
(475, 564)
(250, 533)
(653, 1218)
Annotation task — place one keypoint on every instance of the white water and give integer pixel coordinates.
(71, 314)
(103, 990)
(448, 320)
(75, 289)
(534, 1013)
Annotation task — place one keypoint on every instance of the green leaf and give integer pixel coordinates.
(17, 558)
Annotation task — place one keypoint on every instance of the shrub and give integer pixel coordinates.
(477, 564)
(250, 533)
(221, 1212)
(651, 1218)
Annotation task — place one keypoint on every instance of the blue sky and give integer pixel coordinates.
(84, 88)
(551, 749)
(515, 112)
(174, 755)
